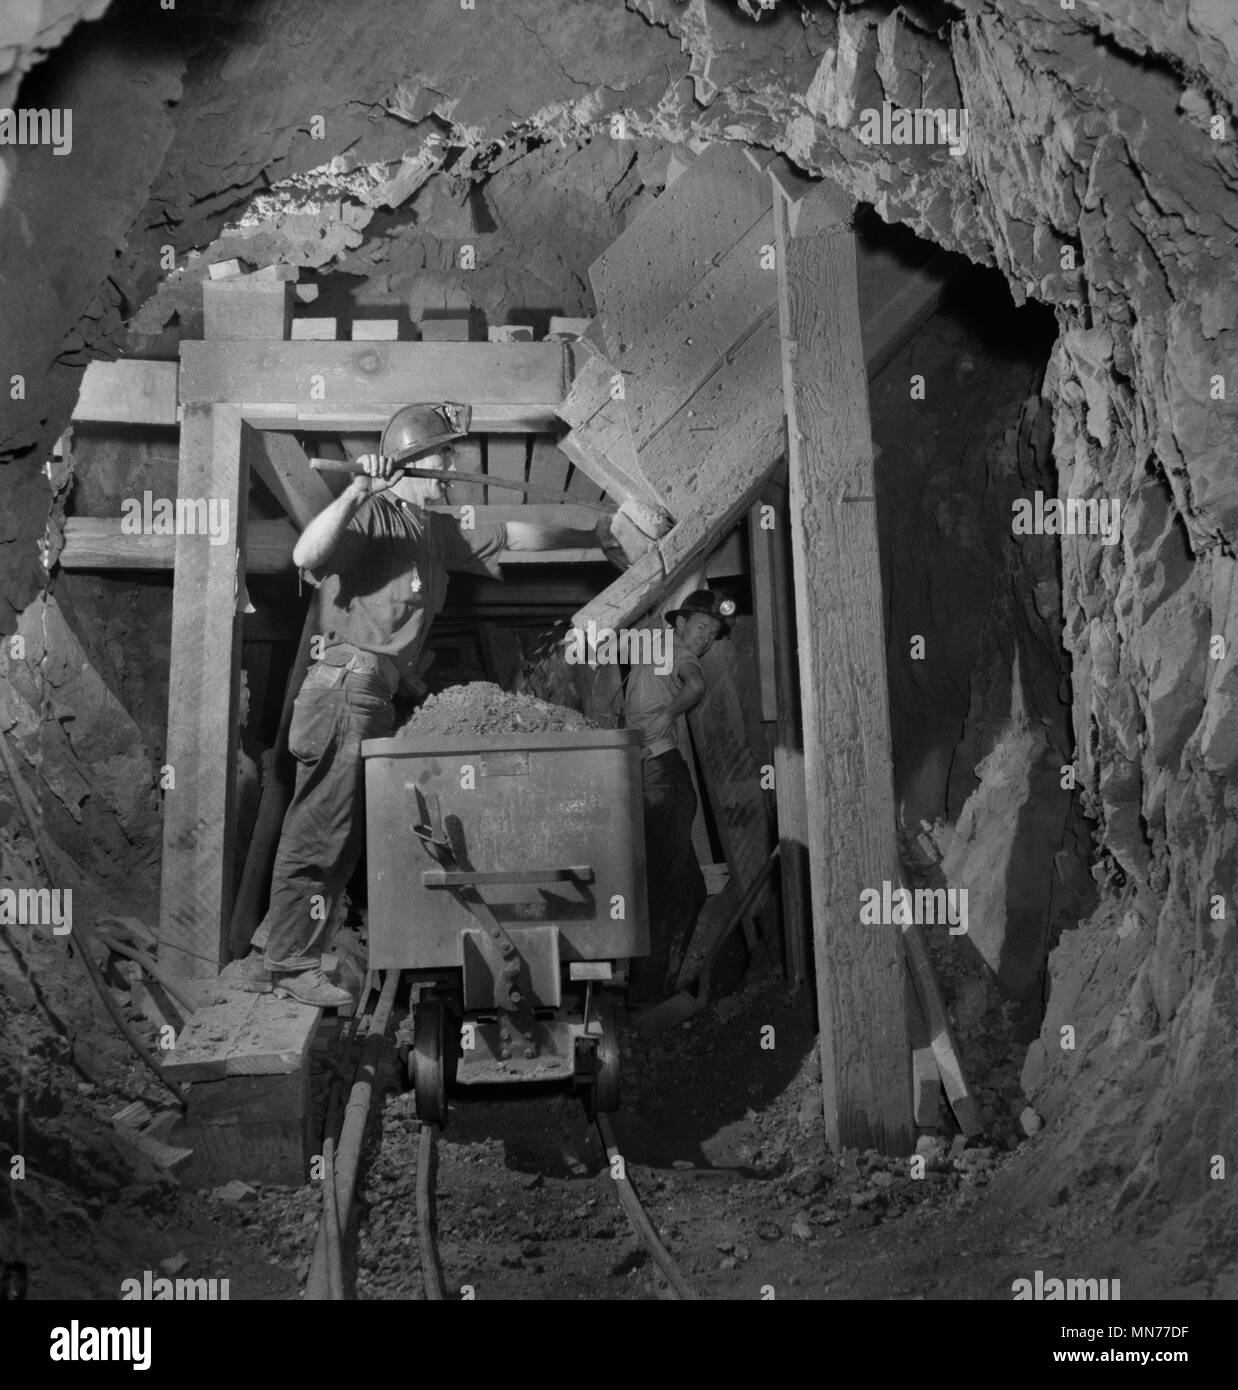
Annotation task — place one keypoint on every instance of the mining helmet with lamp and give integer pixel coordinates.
(422, 429)
(711, 605)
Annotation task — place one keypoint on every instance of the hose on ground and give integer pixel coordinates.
(347, 1155)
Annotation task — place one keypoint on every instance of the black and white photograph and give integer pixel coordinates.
(618, 671)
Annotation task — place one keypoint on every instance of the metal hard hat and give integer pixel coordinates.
(710, 604)
(422, 429)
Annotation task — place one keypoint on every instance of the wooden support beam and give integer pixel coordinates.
(551, 468)
(944, 1047)
(506, 457)
(348, 375)
(203, 689)
(370, 417)
(789, 791)
(865, 1050)
(283, 466)
(98, 543)
(761, 548)
(130, 391)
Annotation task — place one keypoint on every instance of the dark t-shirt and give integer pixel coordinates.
(387, 578)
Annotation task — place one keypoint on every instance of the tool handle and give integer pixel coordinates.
(340, 466)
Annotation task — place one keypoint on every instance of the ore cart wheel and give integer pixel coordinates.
(429, 1063)
(602, 1097)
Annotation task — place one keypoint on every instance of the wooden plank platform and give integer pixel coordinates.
(246, 1035)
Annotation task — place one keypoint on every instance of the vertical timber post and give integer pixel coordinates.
(195, 900)
(865, 1055)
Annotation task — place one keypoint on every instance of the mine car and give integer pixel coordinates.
(507, 877)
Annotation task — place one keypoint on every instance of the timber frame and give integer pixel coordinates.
(687, 413)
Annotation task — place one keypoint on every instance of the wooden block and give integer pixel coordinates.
(568, 328)
(274, 274)
(717, 876)
(509, 333)
(169, 1158)
(634, 593)
(130, 391)
(224, 270)
(231, 1100)
(527, 375)
(317, 330)
(447, 330)
(246, 309)
(246, 1035)
(375, 330)
(255, 1128)
(306, 294)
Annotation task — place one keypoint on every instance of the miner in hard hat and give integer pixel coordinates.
(380, 562)
(656, 704)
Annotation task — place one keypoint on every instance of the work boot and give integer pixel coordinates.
(255, 977)
(312, 987)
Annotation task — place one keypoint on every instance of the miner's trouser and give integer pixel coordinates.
(676, 884)
(324, 829)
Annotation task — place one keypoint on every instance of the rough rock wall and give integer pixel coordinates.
(979, 683)
(1094, 130)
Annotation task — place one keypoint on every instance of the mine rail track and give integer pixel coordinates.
(342, 1159)
(427, 1236)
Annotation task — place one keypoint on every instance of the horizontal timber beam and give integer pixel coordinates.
(353, 374)
(99, 543)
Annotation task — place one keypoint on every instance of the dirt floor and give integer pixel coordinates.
(722, 1138)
